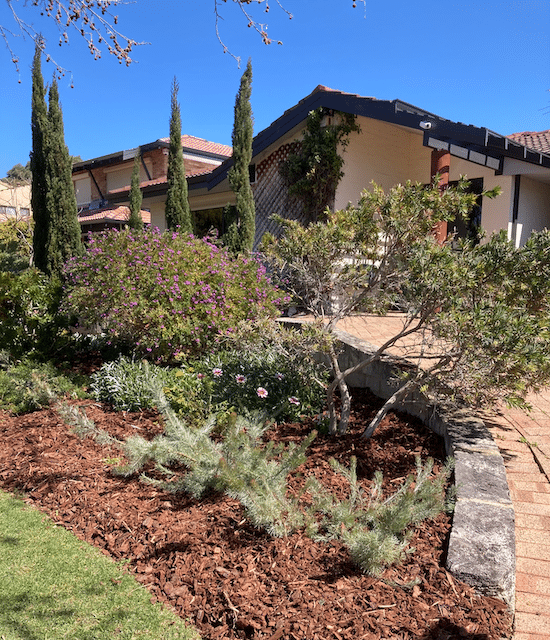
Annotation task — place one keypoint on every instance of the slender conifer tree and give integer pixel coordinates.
(177, 210)
(136, 197)
(39, 124)
(64, 233)
(239, 176)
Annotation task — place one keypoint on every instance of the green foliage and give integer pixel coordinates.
(136, 197)
(29, 322)
(18, 174)
(357, 259)
(166, 294)
(314, 172)
(266, 381)
(29, 386)
(63, 235)
(237, 464)
(374, 529)
(15, 245)
(242, 229)
(124, 386)
(177, 210)
(39, 125)
(490, 334)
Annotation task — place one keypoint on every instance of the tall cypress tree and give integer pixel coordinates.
(39, 124)
(177, 210)
(239, 177)
(136, 197)
(64, 235)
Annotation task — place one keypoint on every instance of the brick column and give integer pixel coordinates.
(441, 161)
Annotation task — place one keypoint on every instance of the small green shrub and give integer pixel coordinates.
(125, 385)
(29, 320)
(168, 294)
(376, 530)
(264, 381)
(29, 386)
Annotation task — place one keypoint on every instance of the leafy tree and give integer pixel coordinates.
(475, 320)
(242, 229)
(313, 173)
(177, 210)
(136, 197)
(64, 234)
(39, 125)
(19, 174)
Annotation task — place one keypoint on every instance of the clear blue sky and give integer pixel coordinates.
(485, 63)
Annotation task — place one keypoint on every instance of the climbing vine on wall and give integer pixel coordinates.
(313, 173)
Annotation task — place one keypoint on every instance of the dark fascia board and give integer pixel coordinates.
(115, 158)
(395, 112)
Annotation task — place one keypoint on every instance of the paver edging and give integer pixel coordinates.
(481, 549)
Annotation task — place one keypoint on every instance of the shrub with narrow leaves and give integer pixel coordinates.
(168, 294)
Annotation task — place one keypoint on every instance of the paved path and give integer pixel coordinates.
(524, 442)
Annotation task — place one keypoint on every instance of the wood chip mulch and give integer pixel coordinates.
(204, 560)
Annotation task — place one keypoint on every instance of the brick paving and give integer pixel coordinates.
(524, 442)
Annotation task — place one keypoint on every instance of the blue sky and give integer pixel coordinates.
(485, 63)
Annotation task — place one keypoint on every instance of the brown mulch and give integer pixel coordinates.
(204, 560)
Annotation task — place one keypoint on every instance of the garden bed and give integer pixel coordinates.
(231, 581)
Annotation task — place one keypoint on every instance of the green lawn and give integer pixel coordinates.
(54, 586)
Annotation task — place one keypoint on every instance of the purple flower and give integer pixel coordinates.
(262, 393)
(293, 400)
(240, 379)
(217, 372)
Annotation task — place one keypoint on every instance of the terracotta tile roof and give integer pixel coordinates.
(118, 214)
(190, 171)
(191, 142)
(537, 140)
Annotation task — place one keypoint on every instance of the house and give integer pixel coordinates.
(102, 185)
(15, 201)
(397, 142)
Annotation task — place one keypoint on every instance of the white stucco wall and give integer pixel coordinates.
(533, 209)
(388, 154)
(382, 153)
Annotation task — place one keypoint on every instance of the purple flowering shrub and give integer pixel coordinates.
(168, 295)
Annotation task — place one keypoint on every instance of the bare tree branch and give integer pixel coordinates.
(92, 20)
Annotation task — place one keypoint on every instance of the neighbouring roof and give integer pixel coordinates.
(117, 214)
(537, 140)
(210, 150)
(199, 144)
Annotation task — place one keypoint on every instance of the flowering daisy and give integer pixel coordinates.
(240, 378)
(293, 400)
(262, 393)
(200, 376)
(279, 376)
(217, 372)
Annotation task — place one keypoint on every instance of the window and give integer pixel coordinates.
(8, 212)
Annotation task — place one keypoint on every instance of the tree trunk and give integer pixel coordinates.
(395, 399)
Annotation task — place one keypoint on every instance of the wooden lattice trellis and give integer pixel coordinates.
(271, 194)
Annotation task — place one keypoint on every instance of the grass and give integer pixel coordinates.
(55, 587)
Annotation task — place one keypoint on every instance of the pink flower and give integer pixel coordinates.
(262, 393)
(217, 372)
(279, 376)
(293, 400)
(200, 376)
(240, 379)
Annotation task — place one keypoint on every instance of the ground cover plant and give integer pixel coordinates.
(167, 295)
(29, 385)
(230, 579)
(53, 585)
